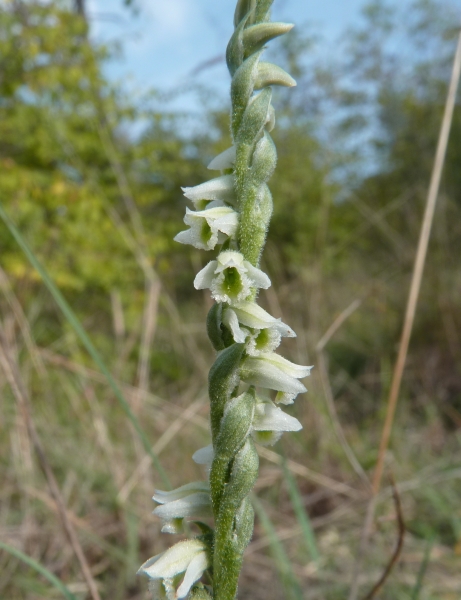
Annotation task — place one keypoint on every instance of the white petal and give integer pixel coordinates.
(195, 570)
(149, 563)
(204, 277)
(274, 419)
(225, 160)
(195, 505)
(175, 560)
(285, 330)
(252, 315)
(204, 456)
(260, 279)
(181, 492)
(230, 258)
(257, 371)
(220, 188)
(184, 237)
(298, 371)
(231, 321)
(228, 223)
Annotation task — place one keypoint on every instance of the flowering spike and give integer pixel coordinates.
(232, 212)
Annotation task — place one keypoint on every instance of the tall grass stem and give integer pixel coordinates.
(412, 302)
(84, 338)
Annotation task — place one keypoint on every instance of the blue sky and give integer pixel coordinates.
(170, 38)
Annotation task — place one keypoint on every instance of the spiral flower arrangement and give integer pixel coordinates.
(248, 379)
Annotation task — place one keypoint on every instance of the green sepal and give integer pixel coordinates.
(270, 74)
(235, 47)
(262, 12)
(199, 592)
(234, 429)
(254, 118)
(256, 212)
(213, 326)
(222, 381)
(256, 36)
(242, 88)
(243, 8)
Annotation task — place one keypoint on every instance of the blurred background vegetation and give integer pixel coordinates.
(97, 197)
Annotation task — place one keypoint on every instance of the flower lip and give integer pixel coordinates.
(230, 277)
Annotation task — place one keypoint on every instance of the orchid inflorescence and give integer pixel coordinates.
(232, 212)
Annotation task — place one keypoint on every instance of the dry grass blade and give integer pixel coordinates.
(148, 333)
(415, 287)
(345, 314)
(398, 549)
(298, 469)
(15, 381)
(168, 435)
(419, 264)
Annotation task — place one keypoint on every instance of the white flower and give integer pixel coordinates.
(190, 557)
(191, 500)
(269, 370)
(220, 188)
(267, 331)
(230, 277)
(208, 227)
(270, 422)
(223, 161)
